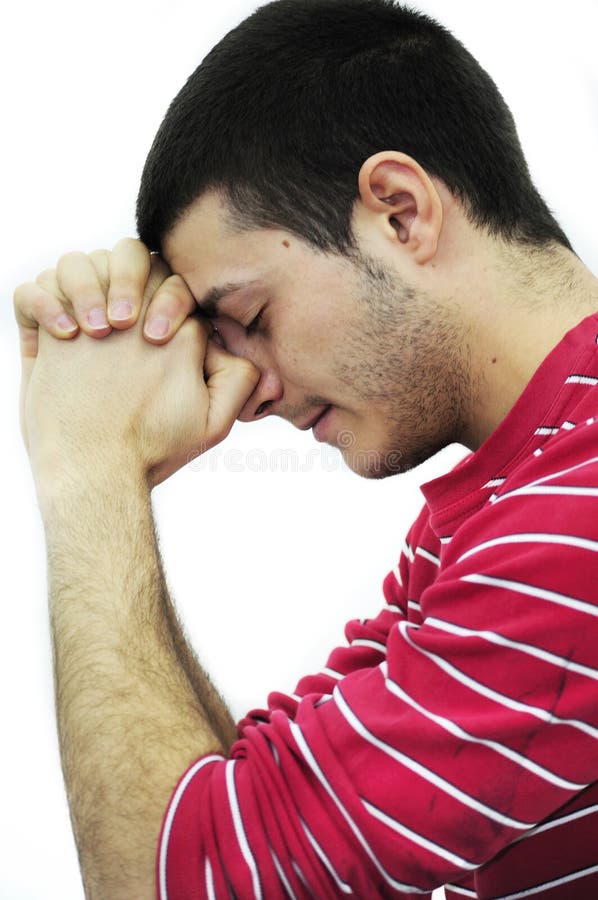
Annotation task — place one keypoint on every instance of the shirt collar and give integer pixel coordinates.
(543, 404)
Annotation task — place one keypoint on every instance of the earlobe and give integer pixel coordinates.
(400, 195)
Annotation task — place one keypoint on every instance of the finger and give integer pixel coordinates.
(129, 269)
(172, 303)
(79, 282)
(36, 307)
(99, 260)
(230, 381)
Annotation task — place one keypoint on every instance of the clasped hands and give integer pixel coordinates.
(129, 399)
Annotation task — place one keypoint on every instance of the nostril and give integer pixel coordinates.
(262, 408)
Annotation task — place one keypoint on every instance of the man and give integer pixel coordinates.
(362, 232)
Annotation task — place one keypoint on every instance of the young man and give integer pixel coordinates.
(340, 189)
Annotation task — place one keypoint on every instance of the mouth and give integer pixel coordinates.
(314, 419)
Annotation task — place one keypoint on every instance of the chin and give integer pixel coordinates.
(374, 463)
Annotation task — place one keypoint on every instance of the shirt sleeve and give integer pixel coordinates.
(418, 767)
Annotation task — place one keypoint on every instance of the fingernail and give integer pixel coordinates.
(65, 323)
(96, 317)
(120, 310)
(157, 327)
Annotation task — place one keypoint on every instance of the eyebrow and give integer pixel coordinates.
(209, 303)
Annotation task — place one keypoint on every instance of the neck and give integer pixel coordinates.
(527, 301)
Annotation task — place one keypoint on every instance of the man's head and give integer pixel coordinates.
(328, 121)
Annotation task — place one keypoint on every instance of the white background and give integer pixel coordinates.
(266, 565)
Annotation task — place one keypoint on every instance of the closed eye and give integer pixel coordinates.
(254, 324)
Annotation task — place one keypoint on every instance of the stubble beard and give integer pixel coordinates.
(405, 355)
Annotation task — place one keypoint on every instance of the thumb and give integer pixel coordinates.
(230, 381)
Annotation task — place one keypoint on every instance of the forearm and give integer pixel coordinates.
(133, 707)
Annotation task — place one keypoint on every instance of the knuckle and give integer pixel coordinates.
(248, 369)
(47, 277)
(99, 258)
(180, 286)
(72, 257)
(129, 242)
(22, 294)
(169, 303)
(124, 281)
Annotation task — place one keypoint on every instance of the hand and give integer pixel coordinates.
(90, 292)
(84, 288)
(125, 403)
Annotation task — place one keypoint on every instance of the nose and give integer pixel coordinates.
(269, 389)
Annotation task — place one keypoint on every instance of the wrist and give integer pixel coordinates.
(65, 480)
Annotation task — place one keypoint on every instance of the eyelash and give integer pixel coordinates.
(253, 325)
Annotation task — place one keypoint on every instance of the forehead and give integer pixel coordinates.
(204, 246)
(209, 253)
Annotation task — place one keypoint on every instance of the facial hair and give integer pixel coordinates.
(406, 356)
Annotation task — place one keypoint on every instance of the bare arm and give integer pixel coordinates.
(134, 709)
(104, 422)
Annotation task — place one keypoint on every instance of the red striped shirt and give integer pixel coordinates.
(454, 740)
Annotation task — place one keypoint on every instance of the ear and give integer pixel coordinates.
(402, 199)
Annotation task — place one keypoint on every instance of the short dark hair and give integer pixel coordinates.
(282, 113)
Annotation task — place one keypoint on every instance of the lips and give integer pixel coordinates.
(311, 422)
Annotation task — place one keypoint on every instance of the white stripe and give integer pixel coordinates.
(300, 875)
(418, 839)
(421, 551)
(209, 880)
(556, 823)
(531, 590)
(568, 426)
(365, 642)
(501, 699)
(590, 421)
(548, 491)
(581, 379)
(424, 772)
(548, 885)
(499, 748)
(274, 752)
(494, 638)
(538, 481)
(332, 673)
(397, 574)
(408, 552)
(323, 699)
(446, 540)
(394, 608)
(460, 890)
(281, 876)
(174, 803)
(413, 604)
(495, 482)
(341, 885)
(538, 452)
(546, 429)
(239, 829)
(295, 697)
(311, 761)
(567, 540)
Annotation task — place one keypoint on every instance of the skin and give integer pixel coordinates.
(430, 334)
(330, 331)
